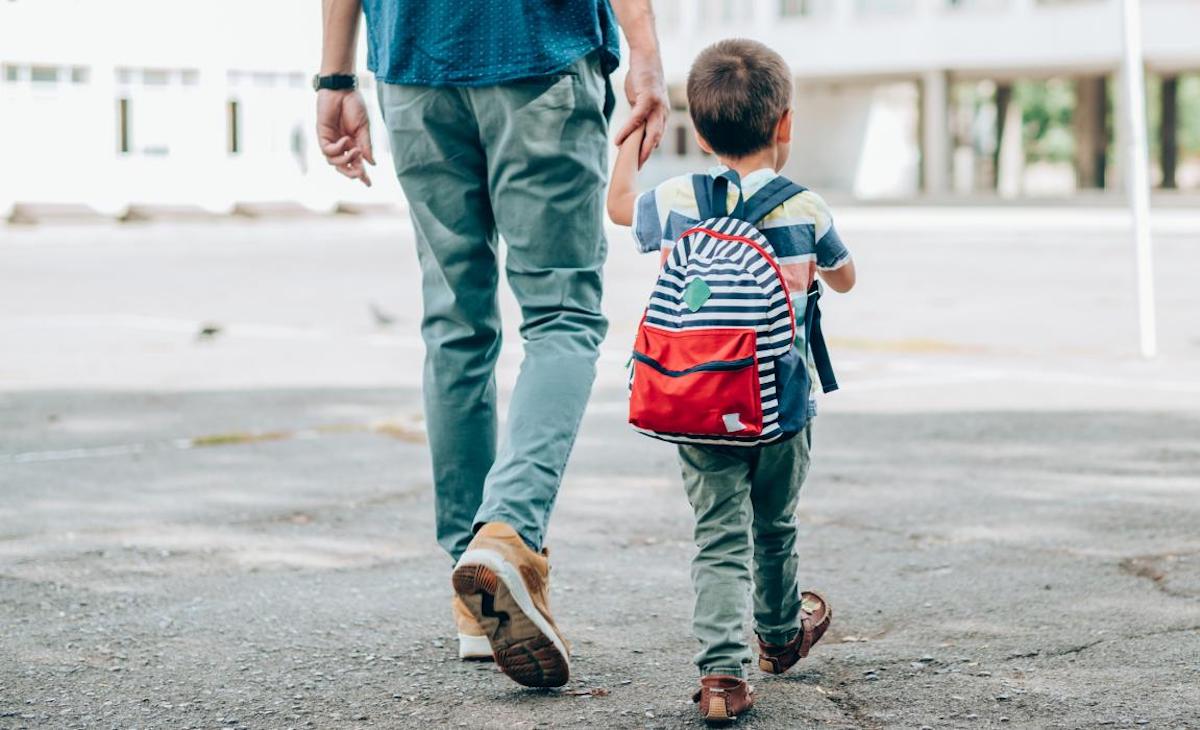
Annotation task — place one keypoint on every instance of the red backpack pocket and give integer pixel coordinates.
(696, 381)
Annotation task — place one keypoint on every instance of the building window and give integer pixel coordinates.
(677, 95)
(155, 77)
(886, 7)
(233, 127)
(795, 8)
(12, 73)
(189, 77)
(123, 126)
(79, 74)
(681, 140)
(44, 74)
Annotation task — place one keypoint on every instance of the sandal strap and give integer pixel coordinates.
(806, 626)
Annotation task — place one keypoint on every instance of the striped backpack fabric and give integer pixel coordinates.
(718, 357)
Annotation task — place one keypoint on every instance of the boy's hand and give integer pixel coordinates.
(343, 131)
(647, 94)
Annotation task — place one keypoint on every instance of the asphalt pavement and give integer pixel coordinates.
(215, 506)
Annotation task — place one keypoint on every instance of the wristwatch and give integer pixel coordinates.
(337, 82)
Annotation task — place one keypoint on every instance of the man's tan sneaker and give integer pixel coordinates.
(505, 586)
(472, 641)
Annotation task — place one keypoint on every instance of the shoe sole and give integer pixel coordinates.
(718, 713)
(474, 648)
(523, 643)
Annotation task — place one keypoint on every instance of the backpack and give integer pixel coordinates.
(718, 357)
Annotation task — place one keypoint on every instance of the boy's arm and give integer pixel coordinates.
(841, 279)
(622, 190)
(834, 265)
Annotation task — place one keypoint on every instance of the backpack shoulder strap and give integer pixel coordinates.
(712, 193)
(771, 196)
(816, 340)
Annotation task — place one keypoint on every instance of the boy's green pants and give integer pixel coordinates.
(523, 161)
(745, 504)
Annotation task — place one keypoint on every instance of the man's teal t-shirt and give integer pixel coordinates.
(485, 42)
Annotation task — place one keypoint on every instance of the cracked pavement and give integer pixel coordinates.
(238, 532)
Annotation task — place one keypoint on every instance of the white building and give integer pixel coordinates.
(128, 102)
(875, 81)
(119, 102)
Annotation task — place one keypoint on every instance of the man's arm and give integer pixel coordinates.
(644, 84)
(622, 188)
(343, 129)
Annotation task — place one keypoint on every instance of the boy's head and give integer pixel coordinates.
(740, 95)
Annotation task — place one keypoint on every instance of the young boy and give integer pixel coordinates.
(744, 498)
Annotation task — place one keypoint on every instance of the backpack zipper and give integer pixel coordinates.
(716, 365)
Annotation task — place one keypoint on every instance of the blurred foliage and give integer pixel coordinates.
(1046, 110)
(1189, 114)
(1048, 105)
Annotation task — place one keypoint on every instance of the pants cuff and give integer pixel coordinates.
(481, 520)
(734, 672)
(778, 638)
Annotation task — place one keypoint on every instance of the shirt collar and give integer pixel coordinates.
(751, 183)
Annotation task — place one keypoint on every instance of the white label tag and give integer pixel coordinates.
(733, 422)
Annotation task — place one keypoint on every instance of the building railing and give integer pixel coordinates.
(679, 16)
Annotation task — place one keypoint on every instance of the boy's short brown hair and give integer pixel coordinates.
(737, 91)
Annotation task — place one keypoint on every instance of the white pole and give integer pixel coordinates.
(1137, 173)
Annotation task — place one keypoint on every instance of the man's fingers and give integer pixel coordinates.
(637, 117)
(346, 158)
(362, 140)
(354, 169)
(655, 126)
(332, 150)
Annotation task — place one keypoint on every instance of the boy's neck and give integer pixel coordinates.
(743, 166)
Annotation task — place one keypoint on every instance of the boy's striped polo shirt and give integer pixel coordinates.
(800, 230)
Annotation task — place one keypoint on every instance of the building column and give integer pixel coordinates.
(1169, 131)
(1091, 131)
(1010, 147)
(1002, 98)
(935, 132)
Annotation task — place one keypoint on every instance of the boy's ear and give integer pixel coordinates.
(704, 145)
(783, 130)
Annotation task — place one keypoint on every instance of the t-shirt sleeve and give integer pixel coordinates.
(648, 222)
(831, 252)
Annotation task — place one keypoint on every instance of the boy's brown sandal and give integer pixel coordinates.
(815, 615)
(723, 698)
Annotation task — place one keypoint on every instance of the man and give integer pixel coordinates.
(498, 119)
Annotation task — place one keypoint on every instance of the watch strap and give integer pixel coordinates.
(336, 82)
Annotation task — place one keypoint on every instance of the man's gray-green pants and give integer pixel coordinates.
(745, 505)
(525, 162)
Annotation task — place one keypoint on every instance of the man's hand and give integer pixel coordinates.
(343, 131)
(647, 94)
(644, 85)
